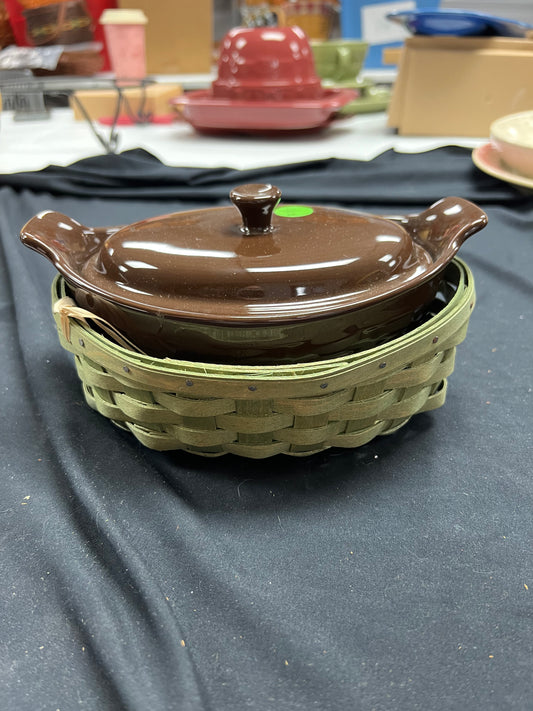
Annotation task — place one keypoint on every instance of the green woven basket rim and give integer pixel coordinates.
(436, 329)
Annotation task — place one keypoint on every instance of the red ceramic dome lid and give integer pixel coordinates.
(266, 63)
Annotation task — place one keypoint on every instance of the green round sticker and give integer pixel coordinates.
(293, 211)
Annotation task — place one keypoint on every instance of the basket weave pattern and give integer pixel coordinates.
(261, 411)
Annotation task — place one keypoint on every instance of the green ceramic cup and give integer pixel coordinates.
(340, 60)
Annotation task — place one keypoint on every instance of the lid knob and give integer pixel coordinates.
(256, 202)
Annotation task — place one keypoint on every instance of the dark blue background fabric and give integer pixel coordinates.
(390, 179)
(393, 576)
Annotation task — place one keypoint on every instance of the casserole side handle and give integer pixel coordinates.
(62, 240)
(444, 226)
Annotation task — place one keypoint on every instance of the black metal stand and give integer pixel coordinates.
(24, 94)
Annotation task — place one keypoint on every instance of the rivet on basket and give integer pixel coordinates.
(252, 387)
(81, 342)
(435, 340)
(323, 385)
(189, 383)
(382, 365)
(125, 369)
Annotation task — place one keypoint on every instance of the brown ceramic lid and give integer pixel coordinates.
(270, 263)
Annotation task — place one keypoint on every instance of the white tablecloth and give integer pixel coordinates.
(60, 140)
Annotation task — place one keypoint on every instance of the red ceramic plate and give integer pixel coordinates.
(207, 113)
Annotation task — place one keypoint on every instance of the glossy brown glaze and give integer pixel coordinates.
(270, 343)
(271, 284)
(256, 203)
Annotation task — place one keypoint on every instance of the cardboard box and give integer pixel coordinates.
(179, 35)
(456, 86)
(391, 55)
(103, 103)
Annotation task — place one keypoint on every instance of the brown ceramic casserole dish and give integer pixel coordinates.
(276, 284)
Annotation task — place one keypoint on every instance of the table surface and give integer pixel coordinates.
(395, 576)
(59, 140)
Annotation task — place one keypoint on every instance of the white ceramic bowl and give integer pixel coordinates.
(512, 137)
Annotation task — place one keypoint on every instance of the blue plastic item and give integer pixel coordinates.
(458, 23)
(352, 25)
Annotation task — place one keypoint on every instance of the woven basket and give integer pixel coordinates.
(261, 411)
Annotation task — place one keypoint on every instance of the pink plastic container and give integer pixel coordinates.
(125, 36)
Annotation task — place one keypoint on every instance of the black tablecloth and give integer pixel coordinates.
(394, 576)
